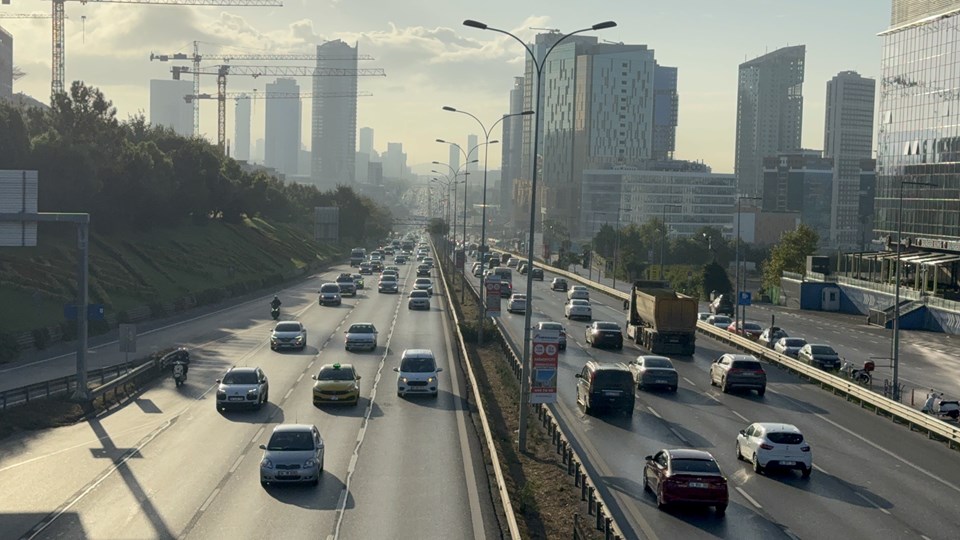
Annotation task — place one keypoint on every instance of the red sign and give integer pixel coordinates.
(545, 347)
(492, 285)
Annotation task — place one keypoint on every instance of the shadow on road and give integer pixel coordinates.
(324, 496)
(270, 413)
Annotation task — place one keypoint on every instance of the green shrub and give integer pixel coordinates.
(9, 348)
(68, 330)
(41, 338)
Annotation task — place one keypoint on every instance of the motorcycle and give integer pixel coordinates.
(275, 313)
(179, 373)
(860, 376)
(937, 406)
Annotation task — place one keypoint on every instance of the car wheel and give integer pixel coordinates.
(316, 480)
(723, 386)
(762, 391)
(739, 454)
(661, 503)
(673, 388)
(712, 382)
(805, 472)
(721, 509)
(757, 468)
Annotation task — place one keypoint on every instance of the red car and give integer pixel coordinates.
(749, 330)
(686, 476)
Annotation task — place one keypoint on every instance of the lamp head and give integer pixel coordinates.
(448, 108)
(493, 142)
(475, 24)
(441, 141)
(600, 26)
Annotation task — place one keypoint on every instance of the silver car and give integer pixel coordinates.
(361, 335)
(242, 387)
(789, 346)
(388, 284)
(288, 335)
(651, 371)
(419, 300)
(293, 454)
(330, 294)
(423, 284)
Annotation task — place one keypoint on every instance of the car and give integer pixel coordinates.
(789, 346)
(423, 284)
(521, 268)
(358, 280)
(288, 335)
(738, 371)
(388, 251)
(578, 309)
(686, 476)
(537, 273)
(652, 371)
(330, 294)
(770, 445)
(603, 333)
(392, 268)
(429, 261)
(366, 268)
(242, 387)
(720, 321)
(547, 325)
(512, 263)
(423, 270)
(293, 454)
(722, 305)
(517, 303)
(477, 269)
(338, 383)
(558, 284)
(400, 259)
(579, 292)
(418, 373)
(819, 355)
(377, 266)
(346, 284)
(605, 386)
(703, 315)
(418, 299)
(388, 284)
(361, 335)
(771, 335)
(749, 330)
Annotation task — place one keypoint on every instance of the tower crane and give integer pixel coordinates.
(257, 71)
(24, 16)
(273, 95)
(58, 15)
(196, 58)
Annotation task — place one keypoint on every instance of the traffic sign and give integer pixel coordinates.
(94, 312)
(492, 285)
(128, 337)
(745, 298)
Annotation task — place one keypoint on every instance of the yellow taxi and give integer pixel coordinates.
(336, 383)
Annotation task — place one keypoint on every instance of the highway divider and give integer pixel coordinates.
(915, 420)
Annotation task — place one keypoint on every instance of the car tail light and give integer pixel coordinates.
(804, 448)
(734, 370)
(766, 446)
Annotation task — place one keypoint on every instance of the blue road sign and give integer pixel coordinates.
(94, 312)
(745, 298)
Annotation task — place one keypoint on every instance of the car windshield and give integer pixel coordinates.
(330, 287)
(419, 294)
(749, 365)
(388, 277)
(785, 438)
(794, 342)
(424, 281)
(694, 466)
(416, 364)
(753, 327)
(291, 441)
(357, 277)
(721, 320)
(287, 327)
(240, 377)
(608, 326)
(822, 349)
(579, 303)
(361, 329)
(658, 363)
(559, 280)
(519, 297)
(334, 374)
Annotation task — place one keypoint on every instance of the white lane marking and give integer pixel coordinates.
(748, 497)
(300, 378)
(871, 503)
(257, 436)
(287, 395)
(353, 462)
(206, 503)
(691, 383)
(653, 412)
(233, 468)
(740, 416)
(821, 469)
(875, 445)
(713, 397)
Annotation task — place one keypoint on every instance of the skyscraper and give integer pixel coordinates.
(168, 106)
(241, 137)
(848, 139)
(6, 64)
(666, 104)
(511, 145)
(769, 113)
(282, 127)
(453, 159)
(366, 141)
(334, 129)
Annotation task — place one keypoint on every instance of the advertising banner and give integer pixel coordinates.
(545, 348)
(492, 284)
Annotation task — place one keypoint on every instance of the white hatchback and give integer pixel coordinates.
(773, 445)
(517, 303)
(578, 292)
(418, 373)
(578, 309)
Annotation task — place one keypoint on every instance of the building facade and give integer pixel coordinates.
(6, 64)
(769, 113)
(511, 145)
(800, 181)
(168, 106)
(666, 106)
(282, 127)
(241, 130)
(334, 117)
(366, 140)
(847, 140)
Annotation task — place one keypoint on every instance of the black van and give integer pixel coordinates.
(609, 386)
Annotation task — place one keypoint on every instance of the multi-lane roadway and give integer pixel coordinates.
(170, 466)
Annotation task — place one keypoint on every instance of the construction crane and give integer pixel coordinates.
(274, 95)
(196, 58)
(58, 15)
(24, 16)
(258, 71)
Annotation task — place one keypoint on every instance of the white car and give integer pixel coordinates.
(417, 373)
(361, 335)
(288, 335)
(419, 300)
(789, 346)
(517, 303)
(578, 309)
(423, 284)
(703, 315)
(774, 445)
(579, 292)
(720, 321)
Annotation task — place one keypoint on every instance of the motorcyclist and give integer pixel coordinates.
(275, 303)
(180, 370)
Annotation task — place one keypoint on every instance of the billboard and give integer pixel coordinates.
(326, 221)
(543, 374)
(492, 285)
(18, 194)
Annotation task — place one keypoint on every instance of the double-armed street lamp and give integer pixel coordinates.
(738, 319)
(466, 162)
(538, 64)
(663, 236)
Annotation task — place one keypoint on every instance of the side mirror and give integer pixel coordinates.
(743, 432)
(314, 377)
(396, 369)
(648, 458)
(218, 381)
(578, 375)
(263, 447)
(359, 377)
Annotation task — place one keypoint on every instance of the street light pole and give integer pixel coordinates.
(538, 65)
(736, 298)
(896, 295)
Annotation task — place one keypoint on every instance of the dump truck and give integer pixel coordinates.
(661, 320)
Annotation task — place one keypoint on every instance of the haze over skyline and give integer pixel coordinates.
(432, 60)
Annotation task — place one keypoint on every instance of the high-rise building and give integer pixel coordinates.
(241, 137)
(666, 104)
(800, 181)
(511, 146)
(847, 140)
(168, 106)
(394, 161)
(453, 159)
(282, 127)
(769, 113)
(366, 141)
(6, 64)
(917, 137)
(334, 129)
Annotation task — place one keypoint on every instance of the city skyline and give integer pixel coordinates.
(431, 60)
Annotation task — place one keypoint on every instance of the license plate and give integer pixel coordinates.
(611, 393)
(236, 398)
(788, 463)
(698, 484)
(287, 473)
(334, 398)
(661, 381)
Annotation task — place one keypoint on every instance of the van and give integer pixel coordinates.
(418, 373)
(609, 386)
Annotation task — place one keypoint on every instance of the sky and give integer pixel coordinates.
(432, 60)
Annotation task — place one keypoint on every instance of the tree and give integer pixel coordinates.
(438, 227)
(790, 254)
(715, 278)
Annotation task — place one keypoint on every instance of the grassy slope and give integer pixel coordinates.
(131, 269)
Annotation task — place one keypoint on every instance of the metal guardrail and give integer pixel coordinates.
(589, 493)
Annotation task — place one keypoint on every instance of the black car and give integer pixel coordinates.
(604, 334)
(559, 284)
(819, 355)
(537, 273)
(606, 386)
(423, 271)
(722, 305)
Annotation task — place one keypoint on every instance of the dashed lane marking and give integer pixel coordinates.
(206, 504)
(748, 497)
(233, 468)
(653, 412)
(691, 383)
(871, 503)
(257, 436)
(740, 416)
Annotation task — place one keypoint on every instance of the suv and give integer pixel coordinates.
(605, 385)
(388, 284)
(417, 373)
(423, 270)
(242, 387)
(558, 284)
(288, 334)
(738, 371)
(330, 294)
(347, 285)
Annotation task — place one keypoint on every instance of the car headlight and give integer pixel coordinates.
(431, 379)
(309, 463)
(403, 380)
(266, 463)
(252, 391)
(221, 394)
(273, 339)
(299, 339)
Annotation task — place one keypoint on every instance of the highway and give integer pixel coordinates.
(168, 465)
(871, 479)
